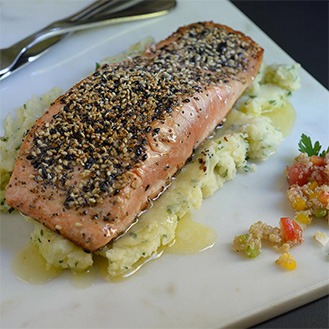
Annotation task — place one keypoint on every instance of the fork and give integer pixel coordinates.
(86, 18)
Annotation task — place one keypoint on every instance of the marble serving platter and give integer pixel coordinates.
(212, 289)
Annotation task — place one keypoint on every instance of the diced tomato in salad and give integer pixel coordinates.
(317, 160)
(302, 172)
(291, 231)
(298, 174)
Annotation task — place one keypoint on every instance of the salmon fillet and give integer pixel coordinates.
(112, 143)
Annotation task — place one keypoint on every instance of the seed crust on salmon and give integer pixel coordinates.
(112, 143)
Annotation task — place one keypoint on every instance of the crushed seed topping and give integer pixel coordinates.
(103, 127)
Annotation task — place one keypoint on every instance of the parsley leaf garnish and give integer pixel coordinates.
(305, 146)
(324, 152)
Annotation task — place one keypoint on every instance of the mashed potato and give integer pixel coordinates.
(247, 135)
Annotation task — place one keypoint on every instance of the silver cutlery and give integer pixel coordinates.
(98, 14)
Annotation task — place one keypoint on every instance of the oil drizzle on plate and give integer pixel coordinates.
(283, 118)
(191, 237)
(85, 279)
(29, 266)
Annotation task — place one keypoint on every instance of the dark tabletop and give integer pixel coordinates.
(301, 29)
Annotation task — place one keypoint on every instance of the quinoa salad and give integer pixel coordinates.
(308, 194)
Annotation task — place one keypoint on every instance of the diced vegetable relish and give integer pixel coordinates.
(321, 237)
(250, 244)
(308, 195)
(286, 261)
(308, 192)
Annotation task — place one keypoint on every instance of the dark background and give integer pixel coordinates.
(301, 29)
(298, 27)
